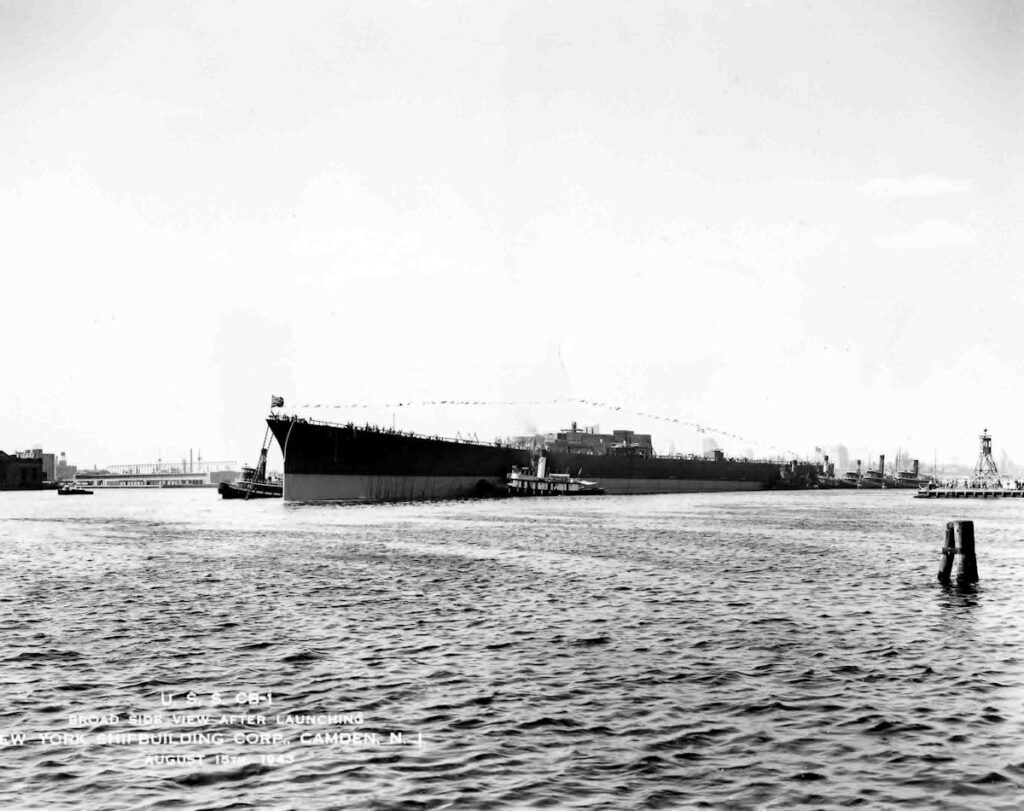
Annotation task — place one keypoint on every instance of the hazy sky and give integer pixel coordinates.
(799, 223)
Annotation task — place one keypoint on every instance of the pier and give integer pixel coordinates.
(969, 492)
(986, 482)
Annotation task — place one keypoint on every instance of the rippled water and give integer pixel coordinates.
(720, 650)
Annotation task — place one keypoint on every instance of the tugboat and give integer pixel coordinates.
(852, 477)
(254, 482)
(71, 490)
(538, 482)
(827, 478)
(874, 479)
(910, 479)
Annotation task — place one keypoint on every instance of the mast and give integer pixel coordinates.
(261, 467)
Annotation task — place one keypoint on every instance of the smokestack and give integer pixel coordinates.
(858, 467)
(542, 465)
(915, 467)
(881, 464)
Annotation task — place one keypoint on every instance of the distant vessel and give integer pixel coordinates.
(536, 481)
(71, 490)
(909, 479)
(852, 477)
(829, 480)
(254, 482)
(878, 479)
(874, 479)
(330, 462)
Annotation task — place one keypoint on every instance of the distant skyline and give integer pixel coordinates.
(797, 224)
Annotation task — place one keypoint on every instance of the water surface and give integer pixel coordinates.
(762, 650)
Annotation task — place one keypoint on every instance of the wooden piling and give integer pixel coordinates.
(959, 542)
(948, 551)
(967, 570)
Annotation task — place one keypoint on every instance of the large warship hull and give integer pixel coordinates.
(326, 462)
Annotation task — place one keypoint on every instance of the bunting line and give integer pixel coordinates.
(699, 427)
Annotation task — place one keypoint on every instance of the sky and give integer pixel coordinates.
(793, 224)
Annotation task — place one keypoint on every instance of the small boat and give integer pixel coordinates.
(245, 488)
(908, 478)
(71, 490)
(254, 482)
(536, 481)
(875, 479)
(827, 479)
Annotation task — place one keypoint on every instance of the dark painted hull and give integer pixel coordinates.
(324, 462)
(907, 484)
(515, 492)
(243, 490)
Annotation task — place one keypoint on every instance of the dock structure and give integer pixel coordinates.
(970, 492)
(986, 482)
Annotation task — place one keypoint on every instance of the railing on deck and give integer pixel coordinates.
(501, 443)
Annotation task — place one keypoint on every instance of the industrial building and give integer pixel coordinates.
(19, 472)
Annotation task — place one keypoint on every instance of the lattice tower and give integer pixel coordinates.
(986, 469)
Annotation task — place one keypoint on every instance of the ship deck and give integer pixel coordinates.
(505, 443)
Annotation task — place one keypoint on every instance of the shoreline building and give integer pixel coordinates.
(20, 472)
(48, 459)
(158, 475)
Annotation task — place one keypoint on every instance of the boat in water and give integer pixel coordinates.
(852, 477)
(828, 480)
(249, 486)
(536, 481)
(254, 481)
(344, 462)
(874, 479)
(909, 479)
(71, 490)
